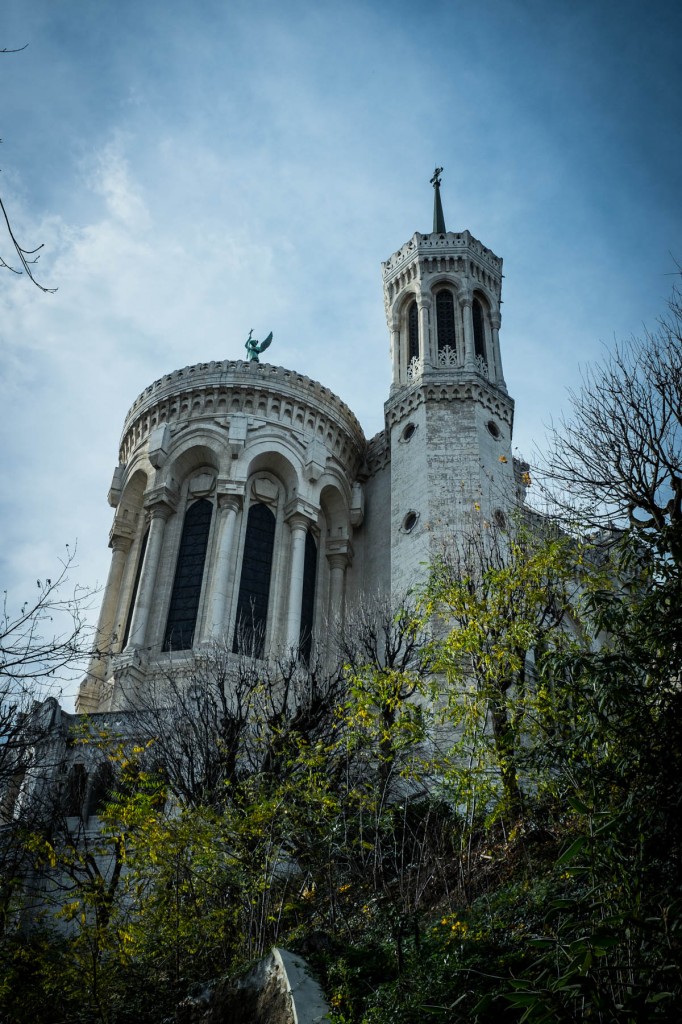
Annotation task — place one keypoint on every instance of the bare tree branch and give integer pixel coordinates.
(27, 257)
(616, 458)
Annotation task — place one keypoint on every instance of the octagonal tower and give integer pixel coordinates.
(449, 418)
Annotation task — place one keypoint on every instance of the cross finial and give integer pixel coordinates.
(438, 218)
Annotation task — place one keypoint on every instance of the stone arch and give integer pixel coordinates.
(268, 456)
(438, 281)
(191, 455)
(134, 486)
(132, 498)
(402, 299)
(335, 507)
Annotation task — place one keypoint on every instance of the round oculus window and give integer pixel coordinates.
(410, 521)
(408, 432)
(493, 429)
(500, 519)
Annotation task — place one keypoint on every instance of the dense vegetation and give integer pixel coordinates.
(470, 812)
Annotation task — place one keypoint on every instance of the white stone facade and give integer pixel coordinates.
(346, 516)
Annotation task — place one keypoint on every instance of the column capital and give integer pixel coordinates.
(230, 501)
(339, 553)
(120, 534)
(226, 485)
(424, 302)
(300, 509)
(160, 502)
(120, 541)
(495, 321)
(465, 298)
(297, 521)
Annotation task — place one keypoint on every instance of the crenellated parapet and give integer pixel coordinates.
(424, 256)
(218, 390)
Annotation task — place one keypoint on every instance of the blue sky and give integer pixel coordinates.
(198, 169)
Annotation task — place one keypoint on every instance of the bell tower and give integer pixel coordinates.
(448, 416)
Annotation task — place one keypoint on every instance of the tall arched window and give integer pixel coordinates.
(479, 330)
(254, 586)
(73, 796)
(189, 576)
(412, 332)
(308, 597)
(445, 320)
(136, 586)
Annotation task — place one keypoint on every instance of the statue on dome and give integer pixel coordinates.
(254, 347)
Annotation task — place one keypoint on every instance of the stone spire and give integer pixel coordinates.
(438, 218)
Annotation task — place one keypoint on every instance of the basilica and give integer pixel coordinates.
(250, 508)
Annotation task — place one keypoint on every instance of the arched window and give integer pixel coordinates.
(308, 597)
(445, 320)
(479, 330)
(412, 332)
(136, 585)
(73, 797)
(254, 586)
(100, 790)
(189, 576)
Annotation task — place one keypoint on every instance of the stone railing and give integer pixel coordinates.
(217, 389)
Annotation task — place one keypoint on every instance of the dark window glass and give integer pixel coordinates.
(136, 584)
(102, 786)
(308, 597)
(189, 574)
(445, 320)
(412, 333)
(254, 586)
(74, 794)
(479, 330)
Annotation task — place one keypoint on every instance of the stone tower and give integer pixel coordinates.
(448, 416)
(235, 503)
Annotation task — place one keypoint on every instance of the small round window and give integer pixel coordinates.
(494, 430)
(408, 432)
(500, 519)
(410, 521)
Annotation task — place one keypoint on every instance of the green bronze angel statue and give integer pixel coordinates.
(254, 348)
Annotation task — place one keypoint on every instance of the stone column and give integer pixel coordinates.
(120, 545)
(424, 333)
(228, 507)
(395, 353)
(495, 321)
(299, 528)
(339, 557)
(469, 361)
(159, 513)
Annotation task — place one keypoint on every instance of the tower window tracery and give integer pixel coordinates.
(477, 317)
(412, 332)
(254, 586)
(445, 321)
(189, 575)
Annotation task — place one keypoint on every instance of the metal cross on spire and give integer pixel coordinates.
(438, 218)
